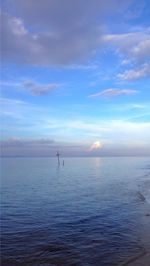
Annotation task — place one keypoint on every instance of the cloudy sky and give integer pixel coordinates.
(75, 77)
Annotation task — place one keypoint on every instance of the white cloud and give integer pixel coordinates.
(135, 74)
(8, 101)
(17, 26)
(9, 83)
(113, 92)
(135, 49)
(142, 50)
(135, 46)
(18, 110)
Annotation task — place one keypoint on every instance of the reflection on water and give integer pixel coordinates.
(83, 213)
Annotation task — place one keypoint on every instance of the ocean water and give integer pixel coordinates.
(84, 213)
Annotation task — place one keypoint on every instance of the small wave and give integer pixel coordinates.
(85, 220)
(54, 248)
(90, 218)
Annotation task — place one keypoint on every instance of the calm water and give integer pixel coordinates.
(84, 213)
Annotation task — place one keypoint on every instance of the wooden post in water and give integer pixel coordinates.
(57, 154)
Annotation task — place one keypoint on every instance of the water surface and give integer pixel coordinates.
(84, 213)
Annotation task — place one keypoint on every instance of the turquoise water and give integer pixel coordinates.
(84, 213)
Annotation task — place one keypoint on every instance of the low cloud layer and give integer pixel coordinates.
(48, 148)
(40, 148)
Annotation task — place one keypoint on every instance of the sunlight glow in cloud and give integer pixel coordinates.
(96, 146)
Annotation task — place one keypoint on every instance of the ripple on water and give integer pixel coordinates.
(59, 217)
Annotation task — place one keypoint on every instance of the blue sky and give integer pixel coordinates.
(75, 77)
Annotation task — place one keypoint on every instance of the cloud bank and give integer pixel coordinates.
(47, 148)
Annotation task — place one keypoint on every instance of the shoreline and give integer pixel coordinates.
(134, 259)
(142, 259)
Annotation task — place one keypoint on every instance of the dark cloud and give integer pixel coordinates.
(40, 147)
(65, 14)
(54, 32)
(17, 44)
(21, 142)
(39, 89)
(46, 48)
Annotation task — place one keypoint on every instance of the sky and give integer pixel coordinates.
(75, 77)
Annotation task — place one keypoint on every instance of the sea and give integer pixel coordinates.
(86, 212)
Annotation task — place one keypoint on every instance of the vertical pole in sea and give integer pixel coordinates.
(58, 154)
